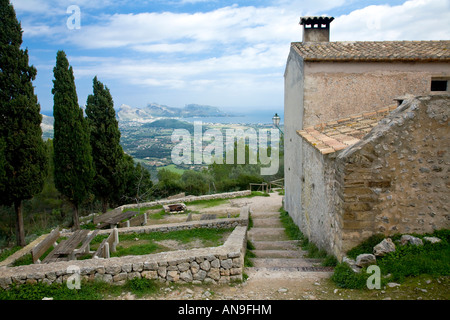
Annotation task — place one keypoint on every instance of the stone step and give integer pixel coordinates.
(276, 245)
(267, 234)
(289, 273)
(287, 254)
(284, 262)
(267, 223)
(265, 215)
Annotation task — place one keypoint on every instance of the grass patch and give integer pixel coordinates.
(142, 286)
(291, 229)
(173, 168)
(258, 194)
(92, 290)
(249, 254)
(6, 253)
(405, 262)
(144, 209)
(207, 203)
(146, 244)
(345, 277)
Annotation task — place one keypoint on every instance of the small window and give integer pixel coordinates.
(439, 85)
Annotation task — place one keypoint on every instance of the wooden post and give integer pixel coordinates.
(116, 240)
(106, 250)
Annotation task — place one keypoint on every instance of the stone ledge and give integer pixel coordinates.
(212, 265)
(226, 195)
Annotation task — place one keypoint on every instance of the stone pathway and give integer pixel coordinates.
(276, 255)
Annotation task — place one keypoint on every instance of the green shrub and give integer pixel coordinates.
(249, 254)
(411, 260)
(141, 286)
(330, 261)
(406, 261)
(366, 246)
(345, 277)
(291, 229)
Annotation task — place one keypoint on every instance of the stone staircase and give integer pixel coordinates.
(275, 254)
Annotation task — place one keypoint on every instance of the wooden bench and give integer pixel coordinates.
(108, 245)
(44, 245)
(115, 219)
(65, 250)
(85, 247)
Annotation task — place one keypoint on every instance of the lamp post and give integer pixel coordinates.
(276, 122)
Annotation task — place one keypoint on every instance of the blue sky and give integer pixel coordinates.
(229, 54)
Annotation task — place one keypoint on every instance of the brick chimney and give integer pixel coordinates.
(316, 29)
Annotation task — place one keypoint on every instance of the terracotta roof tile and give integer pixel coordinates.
(339, 134)
(374, 51)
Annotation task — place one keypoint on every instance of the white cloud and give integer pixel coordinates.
(412, 20)
(233, 53)
(226, 25)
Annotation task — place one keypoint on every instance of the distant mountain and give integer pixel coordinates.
(154, 110)
(170, 124)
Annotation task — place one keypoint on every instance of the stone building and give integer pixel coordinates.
(347, 174)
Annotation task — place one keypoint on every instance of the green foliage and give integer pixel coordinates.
(136, 250)
(406, 261)
(210, 237)
(291, 229)
(366, 246)
(170, 124)
(345, 277)
(249, 254)
(88, 291)
(107, 153)
(410, 260)
(6, 253)
(23, 157)
(208, 203)
(74, 169)
(141, 286)
(136, 182)
(330, 261)
(169, 183)
(196, 183)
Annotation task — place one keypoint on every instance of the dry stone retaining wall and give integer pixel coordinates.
(226, 195)
(209, 265)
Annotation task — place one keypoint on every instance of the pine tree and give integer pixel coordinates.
(73, 165)
(105, 142)
(24, 156)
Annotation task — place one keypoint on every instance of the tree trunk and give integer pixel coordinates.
(20, 230)
(75, 220)
(104, 205)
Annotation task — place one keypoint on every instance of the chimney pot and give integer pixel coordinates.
(316, 29)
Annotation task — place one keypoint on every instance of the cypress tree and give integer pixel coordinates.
(105, 142)
(24, 155)
(73, 166)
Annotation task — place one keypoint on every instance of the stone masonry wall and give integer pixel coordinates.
(396, 179)
(318, 218)
(336, 90)
(209, 265)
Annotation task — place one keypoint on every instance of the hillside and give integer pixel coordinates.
(169, 124)
(154, 110)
